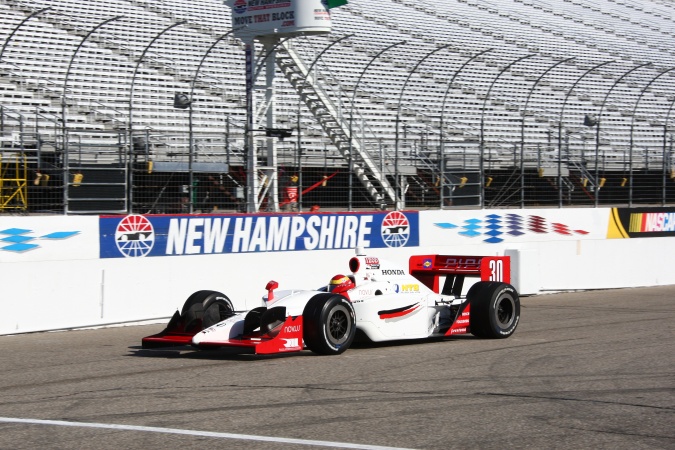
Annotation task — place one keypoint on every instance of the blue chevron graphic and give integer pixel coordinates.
(494, 227)
(21, 240)
(471, 228)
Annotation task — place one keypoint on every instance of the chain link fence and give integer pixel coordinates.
(157, 174)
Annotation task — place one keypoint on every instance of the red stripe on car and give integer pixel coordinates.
(398, 312)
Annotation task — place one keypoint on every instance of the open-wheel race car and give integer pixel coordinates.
(379, 301)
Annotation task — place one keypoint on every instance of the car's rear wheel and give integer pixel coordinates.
(204, 309)
(495, 309)
(329, 324)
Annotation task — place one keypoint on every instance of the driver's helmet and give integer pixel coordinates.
(340, 283)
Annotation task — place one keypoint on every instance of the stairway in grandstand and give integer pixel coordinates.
(333, 124)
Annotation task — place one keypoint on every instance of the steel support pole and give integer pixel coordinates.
(253, 69)
(272, 160)
(249, 140)
(270, 51)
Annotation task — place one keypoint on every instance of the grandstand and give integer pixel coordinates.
(492, 103)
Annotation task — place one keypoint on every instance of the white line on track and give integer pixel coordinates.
(243, 437)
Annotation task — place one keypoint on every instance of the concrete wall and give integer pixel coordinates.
(66, 271)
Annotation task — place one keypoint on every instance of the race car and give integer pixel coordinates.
(378, 301)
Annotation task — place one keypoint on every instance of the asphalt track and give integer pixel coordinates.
(583, 370)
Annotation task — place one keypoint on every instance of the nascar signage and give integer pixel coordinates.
(137, 236)
(641, 222)
(258, 18)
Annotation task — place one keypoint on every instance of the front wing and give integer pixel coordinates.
(288, 339)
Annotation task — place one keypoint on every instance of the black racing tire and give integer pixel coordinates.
(216, 310)
(204, 309)
(197, 297)
(495, 309)
(271, 321)
(473, 296)
(329, 324)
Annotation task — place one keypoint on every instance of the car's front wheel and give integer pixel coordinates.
(329, 324)
(204, 309)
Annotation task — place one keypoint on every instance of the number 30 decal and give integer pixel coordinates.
(496, 270)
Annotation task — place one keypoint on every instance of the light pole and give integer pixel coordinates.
(442, 123)
(70, 66)
(562, 112)
(64, 122)
(298, 88)
(665, 145)
(351, 116)
(131, 112)
(522, 128)
(16, 28)
(632, 123)
(182, 103)
(2, 53)
(397, 184)
(598, 123)
(482, 127)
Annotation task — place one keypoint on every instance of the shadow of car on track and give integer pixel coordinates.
(189, 352)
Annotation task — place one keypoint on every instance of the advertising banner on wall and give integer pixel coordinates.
(641, 222)
(505, 227)
(137, 236)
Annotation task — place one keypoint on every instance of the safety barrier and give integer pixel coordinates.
(60, 272)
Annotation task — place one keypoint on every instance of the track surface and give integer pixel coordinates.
(583, 370)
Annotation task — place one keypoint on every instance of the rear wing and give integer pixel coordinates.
(455, 268)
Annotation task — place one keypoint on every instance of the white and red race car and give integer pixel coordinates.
(379, 301)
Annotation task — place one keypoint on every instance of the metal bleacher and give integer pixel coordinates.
(533, 53)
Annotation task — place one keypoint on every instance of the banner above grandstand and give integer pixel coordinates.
(265, 18)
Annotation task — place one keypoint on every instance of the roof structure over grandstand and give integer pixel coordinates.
(476, 83)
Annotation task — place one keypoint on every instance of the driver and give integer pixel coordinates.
(340, 284)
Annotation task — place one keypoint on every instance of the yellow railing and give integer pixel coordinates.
(13, 184)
